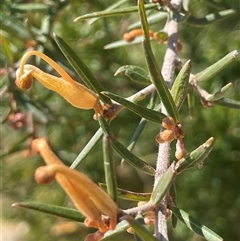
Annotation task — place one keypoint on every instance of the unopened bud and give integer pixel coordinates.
(165, 136)
(24, 82)
(179, 131)
(44, 175)
(168, 123)
(181, 152)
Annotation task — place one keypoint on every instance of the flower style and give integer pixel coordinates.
(92, 201)
(76, 94)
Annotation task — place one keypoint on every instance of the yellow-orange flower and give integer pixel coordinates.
(92, 201)
(76, 94)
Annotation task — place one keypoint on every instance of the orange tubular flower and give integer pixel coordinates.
(76, 94)
(92, 201)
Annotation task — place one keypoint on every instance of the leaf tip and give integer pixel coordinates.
(235, 54)
(14, 205)
(211, 141)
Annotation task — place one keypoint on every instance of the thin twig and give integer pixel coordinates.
(171, 57)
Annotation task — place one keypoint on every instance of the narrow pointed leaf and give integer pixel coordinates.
(59, 211)
(124, 152)
(173, 194)
(152, 19)
(163, 185)
(120, 228)
(210, 18)
(141, 125)
(137, 237)
(212, 70)
(181, 85)
(155, 73)
(196, 226)
(136, 134)
(135, 73)
(111, 7)
(109, 169)
(112, 13)
(87, 149)
(82, 70)
(228, 103)
(24, 7)
(140, 229)
(123, 43)
(129, 195)
(221, 93)
(146, 113)
(196, 157)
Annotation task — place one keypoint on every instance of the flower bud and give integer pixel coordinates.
(168, 123)
(44, 176)
(165, 136)
(178, 131)
(24, 81)
(181, 152)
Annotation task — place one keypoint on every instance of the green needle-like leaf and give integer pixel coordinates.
(221, 93)
(181, 85)
(109, 169)
(141, 125)
(212, 70)
(112, 13)
(129, 195)
(196, 226)
(59, 211)
(173, 194)
(87, 149)
(136, 135)
(196, 157)
(111, 7)
(146, 113)
(124, 152)
(163, 185)
(140, 229)
(82, 70)
(225, 102)
(152, 19)
(155, 73)
(210, 18)
(121, 227)
(137, 237)
(123, 43)
(25, 7)
(135, 73)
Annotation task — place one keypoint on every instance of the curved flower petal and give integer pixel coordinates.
(92, 201)
(76, 94)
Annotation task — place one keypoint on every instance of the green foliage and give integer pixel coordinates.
(211, 194)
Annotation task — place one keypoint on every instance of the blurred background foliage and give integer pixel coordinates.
(211, 194)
